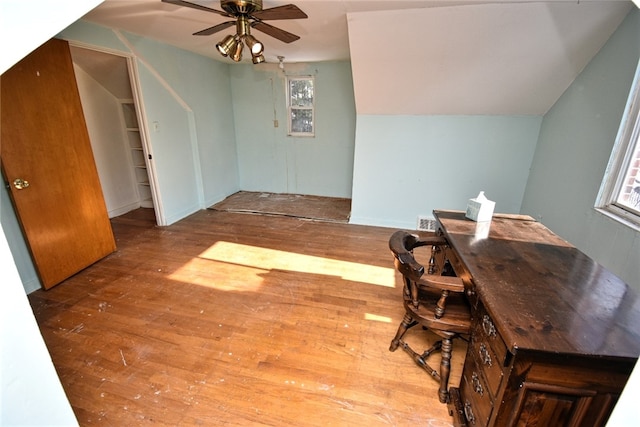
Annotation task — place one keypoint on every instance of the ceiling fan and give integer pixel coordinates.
(248, 14)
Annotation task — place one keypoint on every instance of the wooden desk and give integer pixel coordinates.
(554, 336)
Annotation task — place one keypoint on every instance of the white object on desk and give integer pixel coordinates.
(480, 209)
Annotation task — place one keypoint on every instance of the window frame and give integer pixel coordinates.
(291, 108)
(622, 155)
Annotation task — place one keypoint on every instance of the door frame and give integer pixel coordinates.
(136, 90)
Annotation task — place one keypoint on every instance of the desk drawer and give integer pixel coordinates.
(487, 362)
(485, 331)
(476, 398)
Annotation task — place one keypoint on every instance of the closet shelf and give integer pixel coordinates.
(138, 160)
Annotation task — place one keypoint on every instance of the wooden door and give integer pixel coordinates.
(44, 142)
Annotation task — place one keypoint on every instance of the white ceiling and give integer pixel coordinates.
(468, 57)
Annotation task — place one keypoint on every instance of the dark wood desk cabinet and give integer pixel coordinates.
(554, 336)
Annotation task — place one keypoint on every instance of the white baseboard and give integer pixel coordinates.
(123, 209)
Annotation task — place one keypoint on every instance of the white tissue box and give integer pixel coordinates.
(480, 209)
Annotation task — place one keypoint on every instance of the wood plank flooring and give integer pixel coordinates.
(229, 319)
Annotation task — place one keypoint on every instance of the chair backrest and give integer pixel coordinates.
(402, 244)
(440, 278)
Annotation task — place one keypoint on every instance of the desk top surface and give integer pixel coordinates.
(543, 293)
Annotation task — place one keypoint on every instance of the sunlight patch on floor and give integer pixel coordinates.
(203, 272)
(377, 318)
(259, 260)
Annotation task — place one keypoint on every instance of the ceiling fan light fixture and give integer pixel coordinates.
(254, 45)
(236, 55)
(227, 45)
(245, 14)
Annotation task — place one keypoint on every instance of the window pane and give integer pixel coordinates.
(629, 195)
(301, 92)
(300, 105)
(301, 121)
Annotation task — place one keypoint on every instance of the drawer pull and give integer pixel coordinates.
(488, 326)
(485, 357)
(468, 413)
(477, 386)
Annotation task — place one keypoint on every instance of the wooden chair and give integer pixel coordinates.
(435, 300)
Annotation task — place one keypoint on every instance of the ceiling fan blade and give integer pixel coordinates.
(195, 6)
(215, 28)
(274, 32)
(288, 11)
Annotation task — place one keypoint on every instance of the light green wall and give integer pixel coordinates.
(17, 244)
(174, 150)
(407, 166)
(271, 161)
(576, 139)
(94, 35)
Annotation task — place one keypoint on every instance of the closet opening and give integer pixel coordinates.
(108, 88)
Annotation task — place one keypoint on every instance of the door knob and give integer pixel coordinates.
(20, 183)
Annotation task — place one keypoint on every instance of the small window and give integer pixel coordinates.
(300, 96)
(620, 192)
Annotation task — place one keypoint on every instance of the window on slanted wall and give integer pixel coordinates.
(619, 195)
(300, 105)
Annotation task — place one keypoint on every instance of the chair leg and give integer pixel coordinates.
(445, 370)
(435, 347)
(407, 322)
(421, 359)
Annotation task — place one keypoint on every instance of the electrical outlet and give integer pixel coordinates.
(275, 123)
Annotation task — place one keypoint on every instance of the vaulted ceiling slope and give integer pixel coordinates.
(415, 57)
(494, 59)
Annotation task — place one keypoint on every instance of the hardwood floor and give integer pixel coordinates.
(235, 319)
